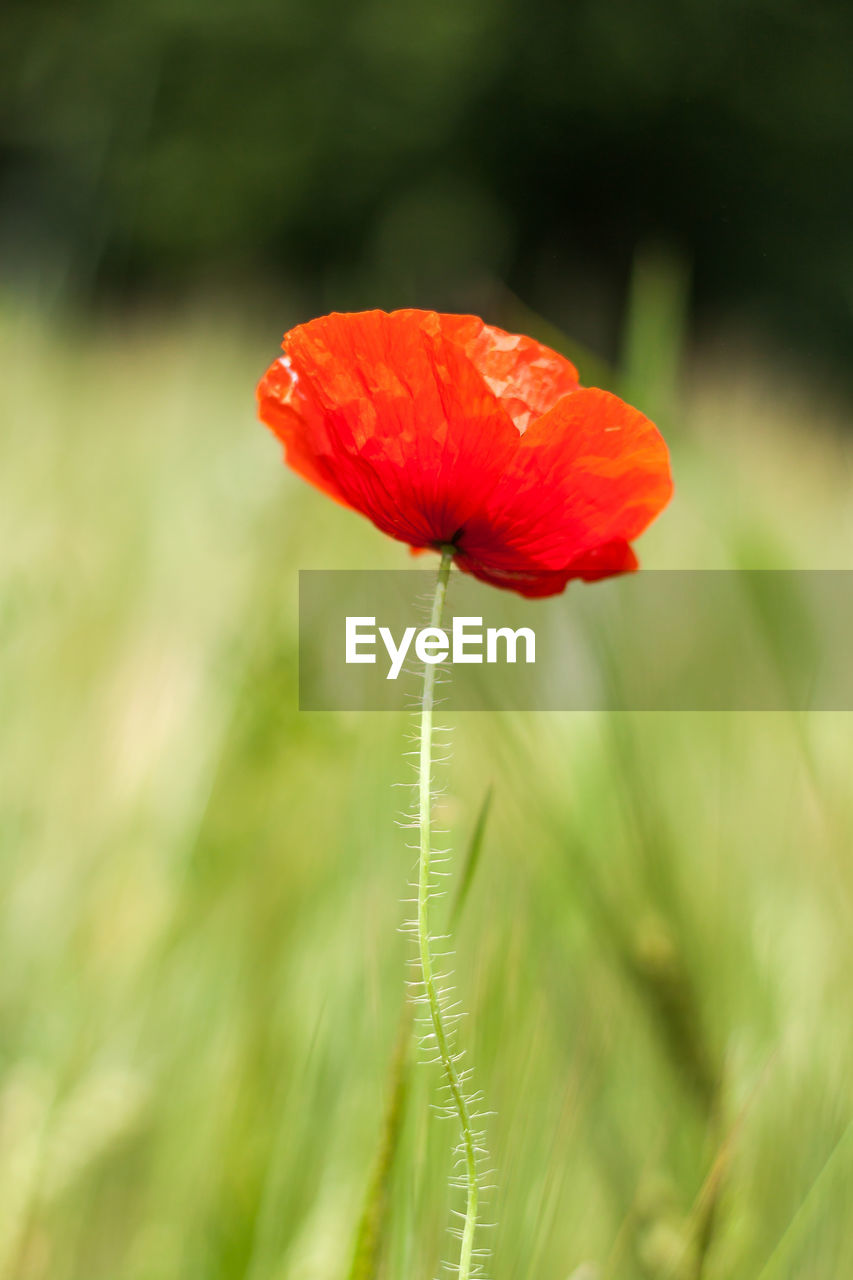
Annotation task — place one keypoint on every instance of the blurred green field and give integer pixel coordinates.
(201, 976)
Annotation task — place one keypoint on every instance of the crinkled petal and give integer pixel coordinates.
(299, 426)
(587, 479)
(527, 378)
(389, 414)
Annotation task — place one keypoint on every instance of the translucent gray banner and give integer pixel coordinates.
(655, 640)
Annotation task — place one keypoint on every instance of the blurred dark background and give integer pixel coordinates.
(377, 153)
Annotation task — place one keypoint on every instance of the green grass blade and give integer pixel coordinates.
(371, 1230)
(472, 860)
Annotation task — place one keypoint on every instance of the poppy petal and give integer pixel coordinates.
(587, 478)
(527, 378)
(392, 414)
(443, 429)
(299, 427)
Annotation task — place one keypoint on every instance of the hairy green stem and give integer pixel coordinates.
(432, 997)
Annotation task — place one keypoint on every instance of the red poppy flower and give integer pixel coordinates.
(444, 430)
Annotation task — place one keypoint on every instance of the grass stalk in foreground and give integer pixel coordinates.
(439, 1037)
(369, 1238)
